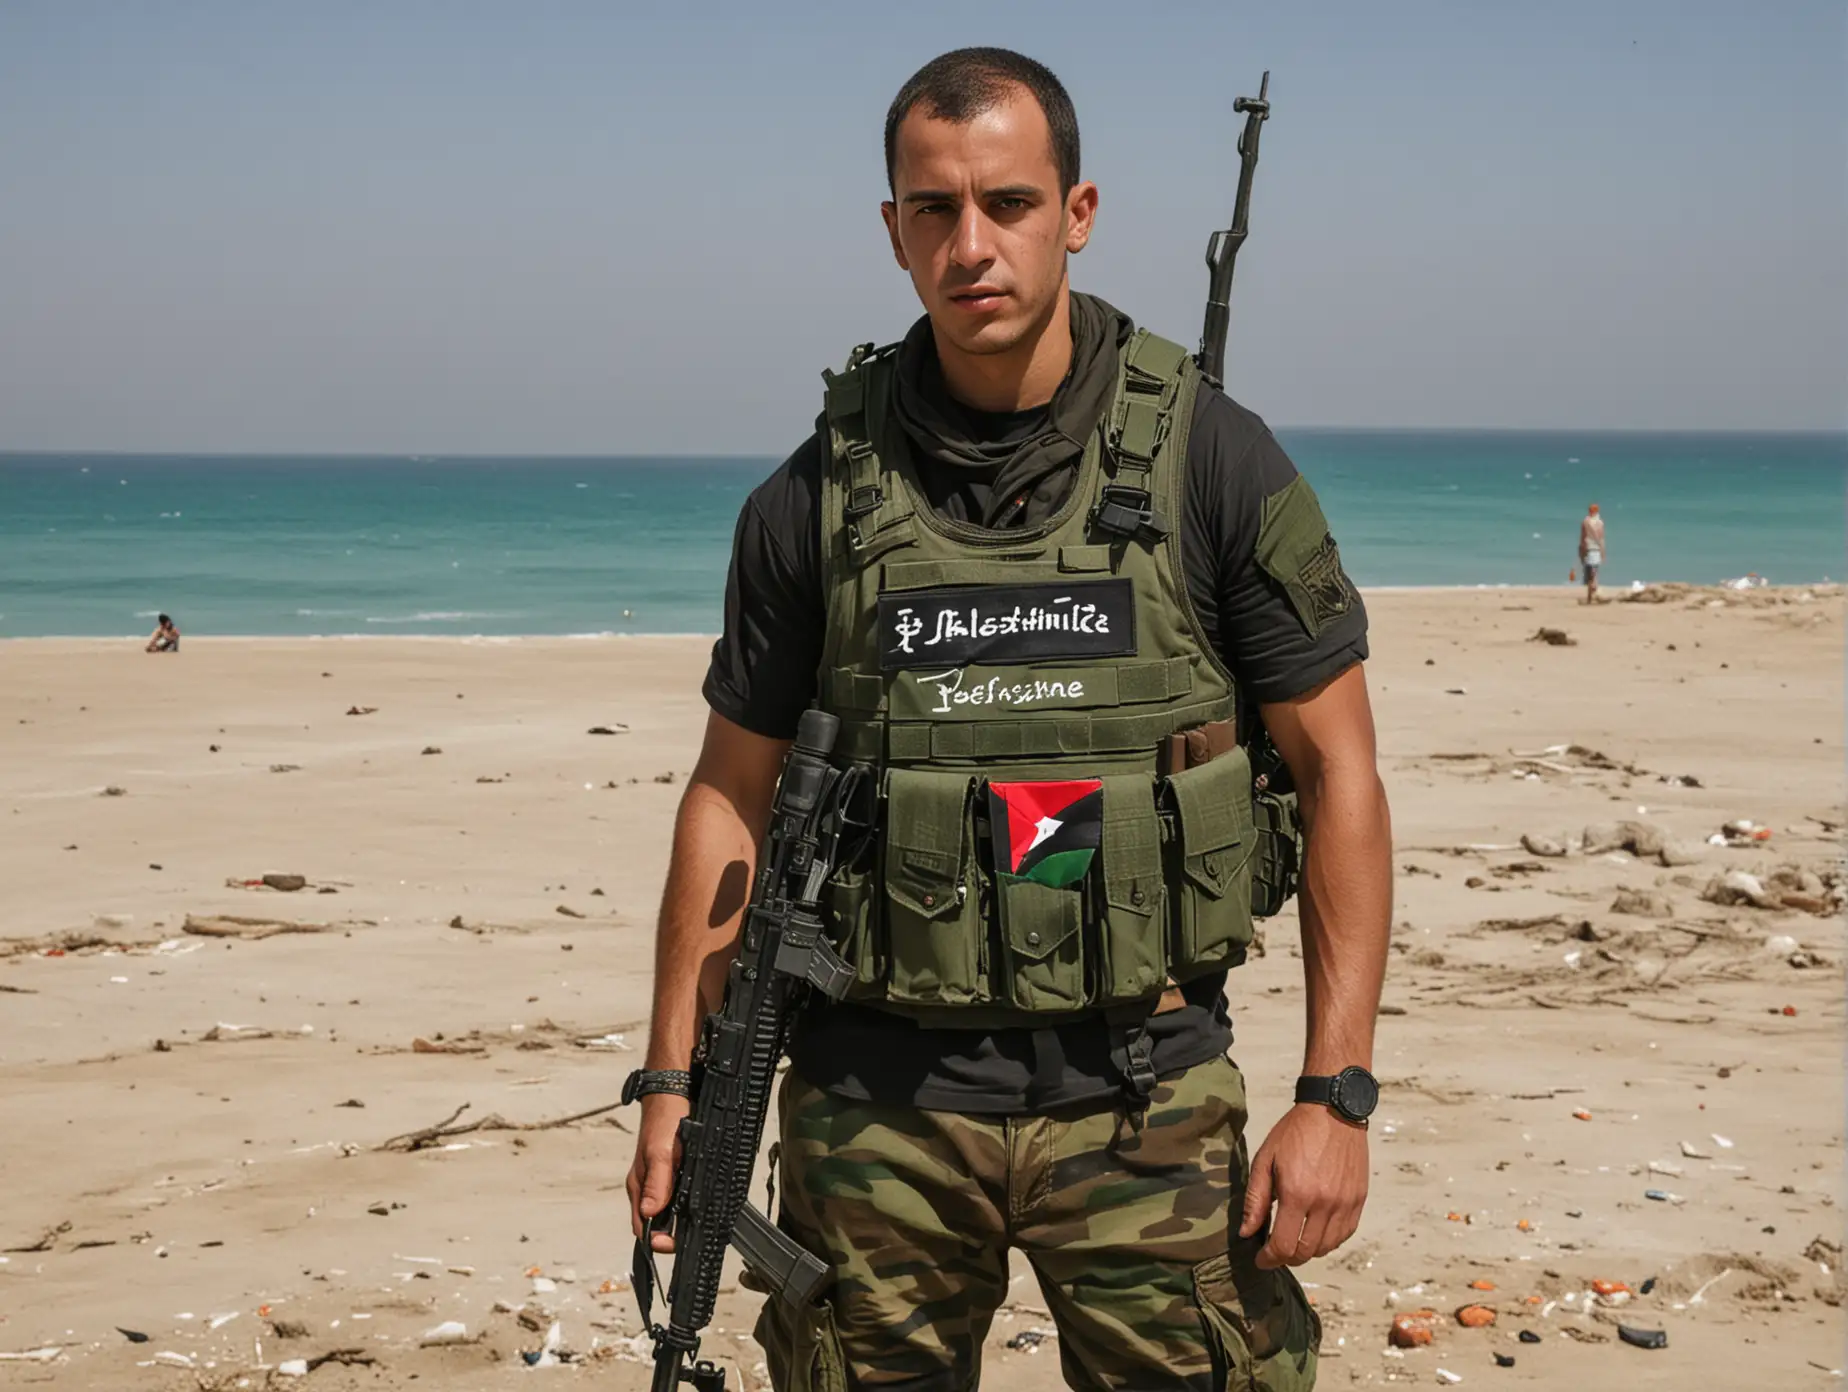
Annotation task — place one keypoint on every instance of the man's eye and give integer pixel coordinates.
(1011, 205)
(931, 209)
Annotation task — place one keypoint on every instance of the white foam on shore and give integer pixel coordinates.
(443, 616)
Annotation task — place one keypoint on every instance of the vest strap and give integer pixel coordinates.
(869, 509)
(1148, 385)
(1026, 564)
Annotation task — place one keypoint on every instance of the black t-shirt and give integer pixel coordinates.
(763, 676)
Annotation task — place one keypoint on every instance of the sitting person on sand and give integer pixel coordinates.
(166, 638)
(1591, 551)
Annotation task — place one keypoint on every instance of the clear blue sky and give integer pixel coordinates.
(606, 228)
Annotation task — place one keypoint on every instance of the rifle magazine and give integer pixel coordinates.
(789, 1271)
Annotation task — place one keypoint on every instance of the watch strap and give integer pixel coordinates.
(1316, 1089)
(646, 1080)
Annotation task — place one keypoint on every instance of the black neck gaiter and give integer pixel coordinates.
(1030, 477)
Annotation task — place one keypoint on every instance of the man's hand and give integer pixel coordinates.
(1314, 1166)
(657, 1161)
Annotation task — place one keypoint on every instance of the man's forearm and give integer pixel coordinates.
(708, 885)
(1346, 910)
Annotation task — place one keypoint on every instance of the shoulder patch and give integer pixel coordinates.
(1330, 593)
(1297, 550)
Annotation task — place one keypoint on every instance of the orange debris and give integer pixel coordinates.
(1475, 1317)
(1413, 1330)
(1482, 1285)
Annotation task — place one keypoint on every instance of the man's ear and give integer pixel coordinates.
(1080, 215)
(889, 211)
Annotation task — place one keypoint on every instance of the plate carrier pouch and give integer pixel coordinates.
(929, 927)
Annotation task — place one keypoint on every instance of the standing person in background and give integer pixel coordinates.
(165, 638)
(1591, 551)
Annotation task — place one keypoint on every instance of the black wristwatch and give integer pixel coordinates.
(1353, 1093)
(646, 1080)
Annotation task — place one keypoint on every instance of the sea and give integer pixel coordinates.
(99, 544)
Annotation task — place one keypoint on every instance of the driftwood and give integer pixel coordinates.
(348, 1357)
(43, 1244)
(420, 1045)
(1521, 925)
(225, 1034)
(1550, 765)
(235, 926)
(428, 1136)
(70, 941)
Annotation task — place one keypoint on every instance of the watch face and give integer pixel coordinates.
(1356, 1093)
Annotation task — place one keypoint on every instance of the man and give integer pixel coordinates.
(1023, 549)
(1591, 551)
(165, 638)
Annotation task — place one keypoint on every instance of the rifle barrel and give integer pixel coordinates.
(1222, 249)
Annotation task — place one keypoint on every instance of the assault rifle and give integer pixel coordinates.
(1274, 805)
(783, 954)
(1222, 247)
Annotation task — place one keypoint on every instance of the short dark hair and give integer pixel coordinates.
(960, 85)
(165, 620)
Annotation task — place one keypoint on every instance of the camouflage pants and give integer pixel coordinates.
(1126, 1229)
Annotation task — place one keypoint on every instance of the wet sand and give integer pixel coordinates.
(196, 1122)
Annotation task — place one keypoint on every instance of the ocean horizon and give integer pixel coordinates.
(95, 545)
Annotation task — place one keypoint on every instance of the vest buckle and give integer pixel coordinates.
(864, 501)
(1123, 511)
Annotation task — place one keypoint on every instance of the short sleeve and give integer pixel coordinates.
(762, 675)
(1263, 568)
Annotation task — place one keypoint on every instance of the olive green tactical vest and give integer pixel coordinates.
(957, 655)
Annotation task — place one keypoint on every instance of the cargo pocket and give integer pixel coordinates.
(934, 933)
(1278, 857)
(1130, 896)
(1042, 935)
(802, 1347)
(1212, 812)
(1263, 1332)
(852, 920)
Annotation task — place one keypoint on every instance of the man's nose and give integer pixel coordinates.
(973, 245)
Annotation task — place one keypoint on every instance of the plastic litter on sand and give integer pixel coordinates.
(1643, 1338)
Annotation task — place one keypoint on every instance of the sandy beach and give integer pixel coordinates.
(1593, 1069)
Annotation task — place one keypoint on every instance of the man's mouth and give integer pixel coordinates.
(979, 297)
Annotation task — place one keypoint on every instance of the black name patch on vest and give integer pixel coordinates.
(996, 624)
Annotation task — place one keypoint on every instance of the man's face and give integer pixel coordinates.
(977, 220)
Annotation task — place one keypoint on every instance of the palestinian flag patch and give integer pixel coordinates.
(1047, 832)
